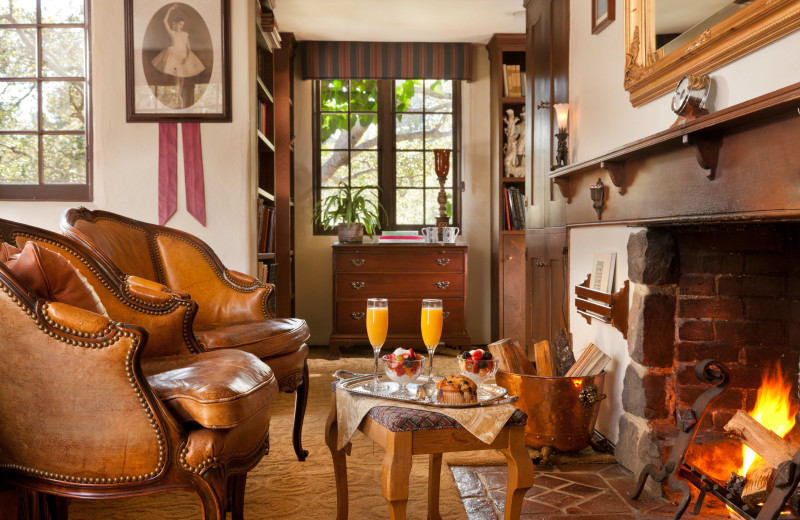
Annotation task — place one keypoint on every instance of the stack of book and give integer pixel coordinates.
(270, 28)
(513, 80)
(266, 227)
(267, 273)
(401, 237)
(515, 203)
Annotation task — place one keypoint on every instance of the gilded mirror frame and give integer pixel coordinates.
(648, 75)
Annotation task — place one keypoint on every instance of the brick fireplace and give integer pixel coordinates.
(724, 291)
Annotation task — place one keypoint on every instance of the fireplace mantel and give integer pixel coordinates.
(742, 162)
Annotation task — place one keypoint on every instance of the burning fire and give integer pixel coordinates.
(773, 410)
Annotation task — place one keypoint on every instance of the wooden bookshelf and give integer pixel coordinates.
(508, 239)
(272, 135)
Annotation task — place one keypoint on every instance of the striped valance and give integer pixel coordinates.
(386, 60)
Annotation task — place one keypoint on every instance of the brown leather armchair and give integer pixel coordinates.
(233, 310)
(94, 408)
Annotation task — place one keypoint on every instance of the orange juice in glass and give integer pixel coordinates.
(377, 326)
(431, 326)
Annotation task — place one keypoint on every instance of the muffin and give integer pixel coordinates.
(456, 390)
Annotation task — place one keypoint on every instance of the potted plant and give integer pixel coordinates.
(351, 211)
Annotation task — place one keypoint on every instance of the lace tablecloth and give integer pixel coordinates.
(484, 422)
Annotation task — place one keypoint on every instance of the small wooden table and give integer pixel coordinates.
(391, 428)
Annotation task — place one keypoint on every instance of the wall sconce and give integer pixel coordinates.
(562, 115)
(598, 193)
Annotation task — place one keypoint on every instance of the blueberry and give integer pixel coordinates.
(465, 355)
(487, 355)
(408, 363)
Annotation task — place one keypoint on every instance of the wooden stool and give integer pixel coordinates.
(403, 432)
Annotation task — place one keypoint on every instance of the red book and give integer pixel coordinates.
(505, 198)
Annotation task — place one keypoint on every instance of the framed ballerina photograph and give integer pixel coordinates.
(177, 60)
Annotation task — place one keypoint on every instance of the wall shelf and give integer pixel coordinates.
(611, 308)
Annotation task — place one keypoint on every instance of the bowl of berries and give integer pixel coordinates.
(478, 365)
(403, 367)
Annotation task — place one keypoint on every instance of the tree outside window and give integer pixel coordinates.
(381, 134)
(44, 135)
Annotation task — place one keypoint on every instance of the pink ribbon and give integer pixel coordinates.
(168, 171)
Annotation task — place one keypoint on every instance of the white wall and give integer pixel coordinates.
(313, 271)
(126, 154)
(602, 118)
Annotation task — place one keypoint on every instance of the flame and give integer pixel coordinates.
(773, 410)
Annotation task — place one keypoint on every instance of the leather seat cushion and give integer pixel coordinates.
(220, 389)
(7, 251)
(264, 338)
(53, 278)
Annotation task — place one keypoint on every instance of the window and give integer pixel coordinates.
(381, 134)
(44, 92)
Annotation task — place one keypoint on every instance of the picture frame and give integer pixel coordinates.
(602, 14)
(177, 61)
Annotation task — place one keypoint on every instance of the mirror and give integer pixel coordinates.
(667, 39)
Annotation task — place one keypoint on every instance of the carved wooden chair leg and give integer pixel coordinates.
(300, 402)
(434, 481)
(396, 472)
(236, 486)
(339, 462)
(520, 472)
(57, 507)
(212, 488)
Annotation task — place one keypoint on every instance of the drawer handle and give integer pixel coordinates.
(445, 314)
(358, 262)
(443, 261)
(442, 285)
(357, 285)
(358, 315)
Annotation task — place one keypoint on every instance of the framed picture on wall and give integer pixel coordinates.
(177, 60)
(602, 14)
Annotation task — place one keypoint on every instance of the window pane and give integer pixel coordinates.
(333, 132)
(62, 11)
(17, 53)
(64, 158)
(408, 95)
(334, 96)
(63, 105)
(438, 131)
(364, 131)
(408, 133)
(364, 171)
(431, 179)
(333, 168)
(63, 52)
(364, 95)
(18, 11)
(18, 106)
(409, 208)
(18, 159)
(438, 96)
(409, 169)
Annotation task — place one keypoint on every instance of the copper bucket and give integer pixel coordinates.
(561, 411)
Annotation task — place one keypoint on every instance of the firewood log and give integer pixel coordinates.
(511, 356)
(760, 439)
(545, 359)
(759, 484)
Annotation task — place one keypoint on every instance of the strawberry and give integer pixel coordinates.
(477, 355)
(411, 354)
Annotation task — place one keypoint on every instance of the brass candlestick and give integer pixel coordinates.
(442, 168)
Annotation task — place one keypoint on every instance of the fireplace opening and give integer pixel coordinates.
(729, 292)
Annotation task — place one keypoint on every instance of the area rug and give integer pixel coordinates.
(280, 487)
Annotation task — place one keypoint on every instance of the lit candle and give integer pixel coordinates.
(562, 113)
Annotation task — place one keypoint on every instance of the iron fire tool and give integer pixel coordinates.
(709, 371)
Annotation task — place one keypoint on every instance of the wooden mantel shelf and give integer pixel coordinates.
(705, 133)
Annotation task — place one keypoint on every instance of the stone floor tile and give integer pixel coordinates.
(582, 468)
(581, 490)
(468, 483)
(488, 469)
(616, 471)
(535, 490)
(495, 480)
(587, 479)
(528, 506)
(607, 502)
(546, 481)
(479, 509)
(557, 499)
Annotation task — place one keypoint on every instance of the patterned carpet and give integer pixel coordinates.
(280, 487)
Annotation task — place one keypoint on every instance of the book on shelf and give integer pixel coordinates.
(603, 265)
(505, 80)
(266, 229)
(514, 202)
(400, 233)
(270, 27)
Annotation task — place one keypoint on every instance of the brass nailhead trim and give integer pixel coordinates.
(136, 389)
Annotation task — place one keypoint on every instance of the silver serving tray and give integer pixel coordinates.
(488, 395)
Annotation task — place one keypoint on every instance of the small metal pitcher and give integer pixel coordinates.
(562, 411)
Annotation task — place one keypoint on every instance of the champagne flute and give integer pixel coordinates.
(431, 325)
(377, 326)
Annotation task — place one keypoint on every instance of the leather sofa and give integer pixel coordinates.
(233, 307)
(96, 408)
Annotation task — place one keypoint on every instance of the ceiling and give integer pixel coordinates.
(409, 21)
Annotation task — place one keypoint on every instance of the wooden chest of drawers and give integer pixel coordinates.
(405, 274)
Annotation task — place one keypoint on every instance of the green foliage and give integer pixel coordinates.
(349, 205)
